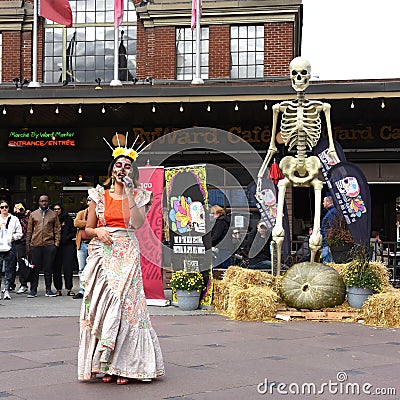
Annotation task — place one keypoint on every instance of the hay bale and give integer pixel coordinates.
(383, 309)
(254, 303)
(220, 295)
(244, 277)
(232, 273)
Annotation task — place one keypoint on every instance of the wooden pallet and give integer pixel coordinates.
(317, 315)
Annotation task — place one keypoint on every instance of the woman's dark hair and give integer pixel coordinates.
(5, 201)
(133, 173)
(62, 214)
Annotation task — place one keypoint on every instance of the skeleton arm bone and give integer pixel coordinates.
(331, 149)
(271, 149)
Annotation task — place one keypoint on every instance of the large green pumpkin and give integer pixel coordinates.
(312, 285)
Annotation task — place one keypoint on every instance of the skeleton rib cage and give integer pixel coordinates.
(301, 125)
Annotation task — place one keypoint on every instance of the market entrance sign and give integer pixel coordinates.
(41, 138)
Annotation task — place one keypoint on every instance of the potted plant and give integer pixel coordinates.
(188, 287)
(363, 277)
(339, 240)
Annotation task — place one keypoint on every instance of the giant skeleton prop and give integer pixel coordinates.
(300, 128)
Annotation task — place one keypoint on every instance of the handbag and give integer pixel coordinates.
(5, 245)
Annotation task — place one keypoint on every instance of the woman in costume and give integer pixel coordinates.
(116, 334)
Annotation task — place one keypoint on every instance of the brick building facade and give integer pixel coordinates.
(129, 107)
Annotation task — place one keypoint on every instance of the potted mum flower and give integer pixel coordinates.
(340, 241)
(363, 277)
(188, 287)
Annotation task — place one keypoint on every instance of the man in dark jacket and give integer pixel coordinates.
(20, 248)
(330, 217)
(42, 239)
(65, 256)
(259, 243)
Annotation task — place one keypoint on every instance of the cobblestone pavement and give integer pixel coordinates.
(206, 357)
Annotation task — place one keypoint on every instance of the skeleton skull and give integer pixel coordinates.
(197, 216)
(300, 73)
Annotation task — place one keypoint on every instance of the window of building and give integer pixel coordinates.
(89, 44)
(247, 52)
(186, 53)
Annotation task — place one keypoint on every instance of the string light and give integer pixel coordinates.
(31, 110)
(103, 110)
(181, 108)
(153, 109)
(265, 106)
(352, 104)
(4, 111)
(80, 109)
(383, 105)
(208, 107)
(57, 110)
(236, 107)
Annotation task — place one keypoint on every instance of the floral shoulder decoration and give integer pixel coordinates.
(142, 196)
(97, 194)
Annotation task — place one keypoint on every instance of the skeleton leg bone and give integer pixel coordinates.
(278, 233)
(315, 240)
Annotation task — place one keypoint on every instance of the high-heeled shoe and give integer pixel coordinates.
(109, 378)
(122, 381)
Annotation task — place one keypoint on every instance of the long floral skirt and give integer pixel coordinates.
(116, 335)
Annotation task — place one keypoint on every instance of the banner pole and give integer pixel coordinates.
(197, 79)
(34, 83)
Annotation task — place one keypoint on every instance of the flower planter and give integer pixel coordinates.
(341, 254)
(188, 300)
(357, 296)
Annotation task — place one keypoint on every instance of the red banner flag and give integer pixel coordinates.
(57, 11)
(150, 235)
(194, 13)
(118, 12)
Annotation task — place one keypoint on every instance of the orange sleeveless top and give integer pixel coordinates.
(113, 212)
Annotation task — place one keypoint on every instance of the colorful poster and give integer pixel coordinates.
(187, 210)
(350, 192)
(150, 236)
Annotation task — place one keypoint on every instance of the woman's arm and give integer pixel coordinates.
(92, 230)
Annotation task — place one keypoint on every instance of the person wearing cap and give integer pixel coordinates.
(24, 271)
(82, 242)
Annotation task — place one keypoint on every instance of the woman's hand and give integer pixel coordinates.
(104, 236)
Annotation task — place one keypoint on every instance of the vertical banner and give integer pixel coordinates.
(268, 207)
(350, 192)
(187, 208)
(150, 236)
(321, 151)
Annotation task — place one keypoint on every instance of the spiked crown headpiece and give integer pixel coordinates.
(125, 151)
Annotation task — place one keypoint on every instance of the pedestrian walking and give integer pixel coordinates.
(24, 272)
(64, 260)
(10, 231)
(42, 239)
